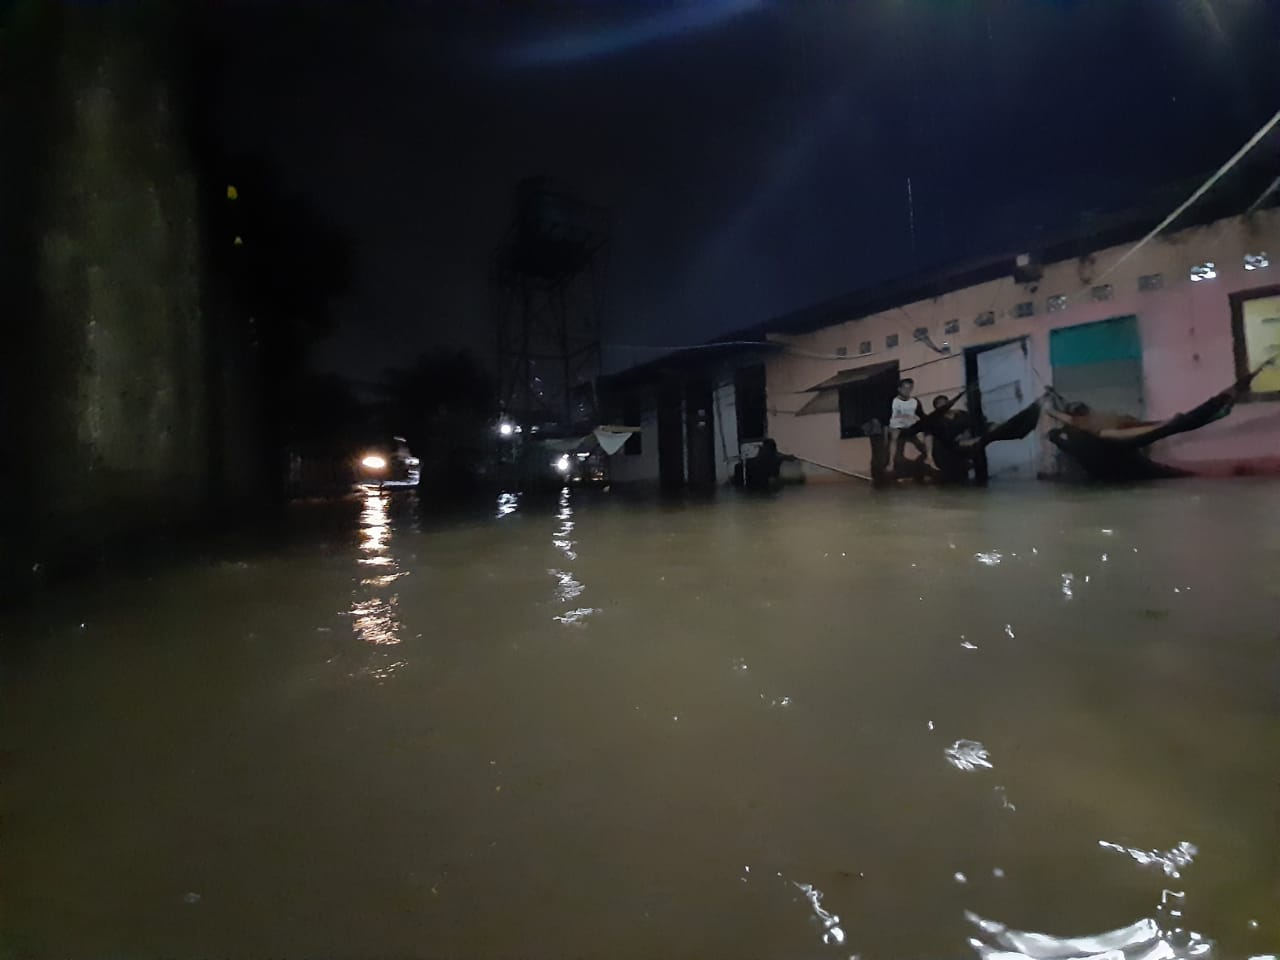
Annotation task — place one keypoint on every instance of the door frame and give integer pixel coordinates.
(700, 433)
(1238, 300)
(670, 403)
(973, 394)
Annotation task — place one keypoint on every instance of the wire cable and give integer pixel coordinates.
(1204, 188)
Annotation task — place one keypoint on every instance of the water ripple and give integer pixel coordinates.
(832, 933)
(1170, 861)
(1143, 940)
(376, 620)
(576, 616)
(967, 755)
(568, 587)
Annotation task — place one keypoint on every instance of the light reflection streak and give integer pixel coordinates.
(968, 755)
(568, 587)
(563, 536)
(832, 933)
(508, 503)
(576, 616)
(629, 33)
(376, 621)
(384, 581)
(374, 523)
(1170, 861)
(1143, 940)
(1147, 939)
(374, 612)
(383, 672)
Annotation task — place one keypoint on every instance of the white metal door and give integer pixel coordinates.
(1004, 380)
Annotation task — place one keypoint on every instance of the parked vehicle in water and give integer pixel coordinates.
(388, 465)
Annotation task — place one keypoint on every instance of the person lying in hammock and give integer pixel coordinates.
(1123, 430)
(1099, 422)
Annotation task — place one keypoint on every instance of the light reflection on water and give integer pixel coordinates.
(374, 612)
(1169, 861)
(508, 503)
(968, 755)
(568, 587)
(830, 923)
(324, 781)
(1143, 940)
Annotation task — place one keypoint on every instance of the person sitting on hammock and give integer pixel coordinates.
(952, 441)
(904, 414)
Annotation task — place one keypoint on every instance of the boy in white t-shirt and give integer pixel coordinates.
(906, 413)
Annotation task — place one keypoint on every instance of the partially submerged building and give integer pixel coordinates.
(1148, 333)
(695, 409)
(1150, 336)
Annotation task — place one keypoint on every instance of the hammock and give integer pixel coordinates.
(1016, 427)
(1215, 408)
(1104, 459)
(1124, 458)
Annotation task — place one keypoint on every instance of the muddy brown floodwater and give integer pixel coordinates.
(827, 724)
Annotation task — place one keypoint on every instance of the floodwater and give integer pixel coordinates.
(828, 724)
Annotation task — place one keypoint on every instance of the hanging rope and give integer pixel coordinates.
(1204, 188)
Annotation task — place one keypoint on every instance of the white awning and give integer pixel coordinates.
(612, 439)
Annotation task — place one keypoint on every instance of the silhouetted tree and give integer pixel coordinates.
(275, 262)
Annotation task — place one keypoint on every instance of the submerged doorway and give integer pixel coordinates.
(1001, 375)
(699, 435)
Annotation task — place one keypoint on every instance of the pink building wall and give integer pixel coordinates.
(1185, 328)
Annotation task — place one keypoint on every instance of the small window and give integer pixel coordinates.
(1057, 303)
(953, 326)
(864, 346)
(1102, 291)
(842, 351)
(1027, 308)
(1256, 261)
(1256, 323)
(891, 341)
(865, 400)
(922, 333)
(985, 319)
(1203, 271)
(1150, 281)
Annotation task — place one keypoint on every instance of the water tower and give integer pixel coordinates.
(546, 276)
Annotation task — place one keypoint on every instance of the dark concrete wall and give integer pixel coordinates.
(128, 388)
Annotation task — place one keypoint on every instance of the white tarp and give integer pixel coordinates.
(612, 439)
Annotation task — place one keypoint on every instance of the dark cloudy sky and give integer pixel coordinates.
(755, 154)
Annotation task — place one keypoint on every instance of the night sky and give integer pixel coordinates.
(755, 155)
